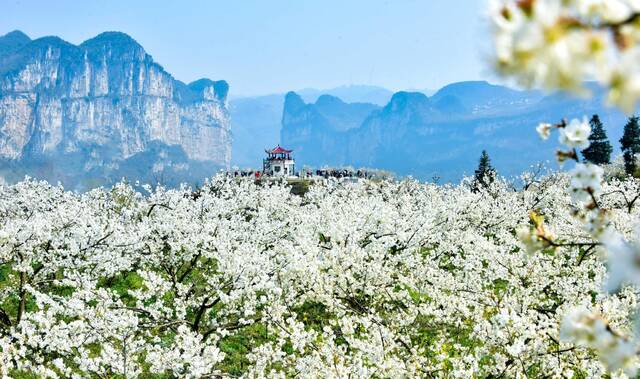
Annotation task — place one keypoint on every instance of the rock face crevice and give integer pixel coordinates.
(106, 99)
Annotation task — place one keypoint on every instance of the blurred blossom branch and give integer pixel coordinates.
(556, 44)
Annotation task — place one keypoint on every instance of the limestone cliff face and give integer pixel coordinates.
(106, 99)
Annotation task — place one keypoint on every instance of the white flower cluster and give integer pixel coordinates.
(580, 326)
(563, 43)
(585, 181)
(585, 328)
(367, 279)
(576, 134)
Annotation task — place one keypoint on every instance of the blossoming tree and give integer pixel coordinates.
(561, 44)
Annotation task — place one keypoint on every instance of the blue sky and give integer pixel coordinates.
(273, 46)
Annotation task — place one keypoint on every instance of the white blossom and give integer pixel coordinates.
(544, 130)
(576, 134)
(563, 44)
(608, 10)
(586, 329)
(585, 181)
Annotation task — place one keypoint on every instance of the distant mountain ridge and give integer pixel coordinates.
(13, 41)
(481, 96)
(95, 106)
(350, 94)
(441, 135)
(257, 119)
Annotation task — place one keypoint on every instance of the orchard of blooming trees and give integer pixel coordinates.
(384, 279)
(368, 279)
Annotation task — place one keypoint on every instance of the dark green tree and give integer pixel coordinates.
(599, 150)
(630, 144)
(485, 173)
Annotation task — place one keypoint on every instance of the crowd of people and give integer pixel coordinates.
(245, 173)
(322, 172)
(344, 173)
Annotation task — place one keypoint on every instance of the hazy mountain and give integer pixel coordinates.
(316, 129)
(257, 120)
(12, 41)
(350, 94)
(481, 97)
(426, 91)
(89, 114)
(441, 135)
(256, 126)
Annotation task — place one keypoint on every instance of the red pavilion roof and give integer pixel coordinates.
(279, 150)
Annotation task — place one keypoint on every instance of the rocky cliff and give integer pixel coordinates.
(257, 119)
(318, 131)
(102, 103)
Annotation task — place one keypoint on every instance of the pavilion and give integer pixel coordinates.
(278, 162)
